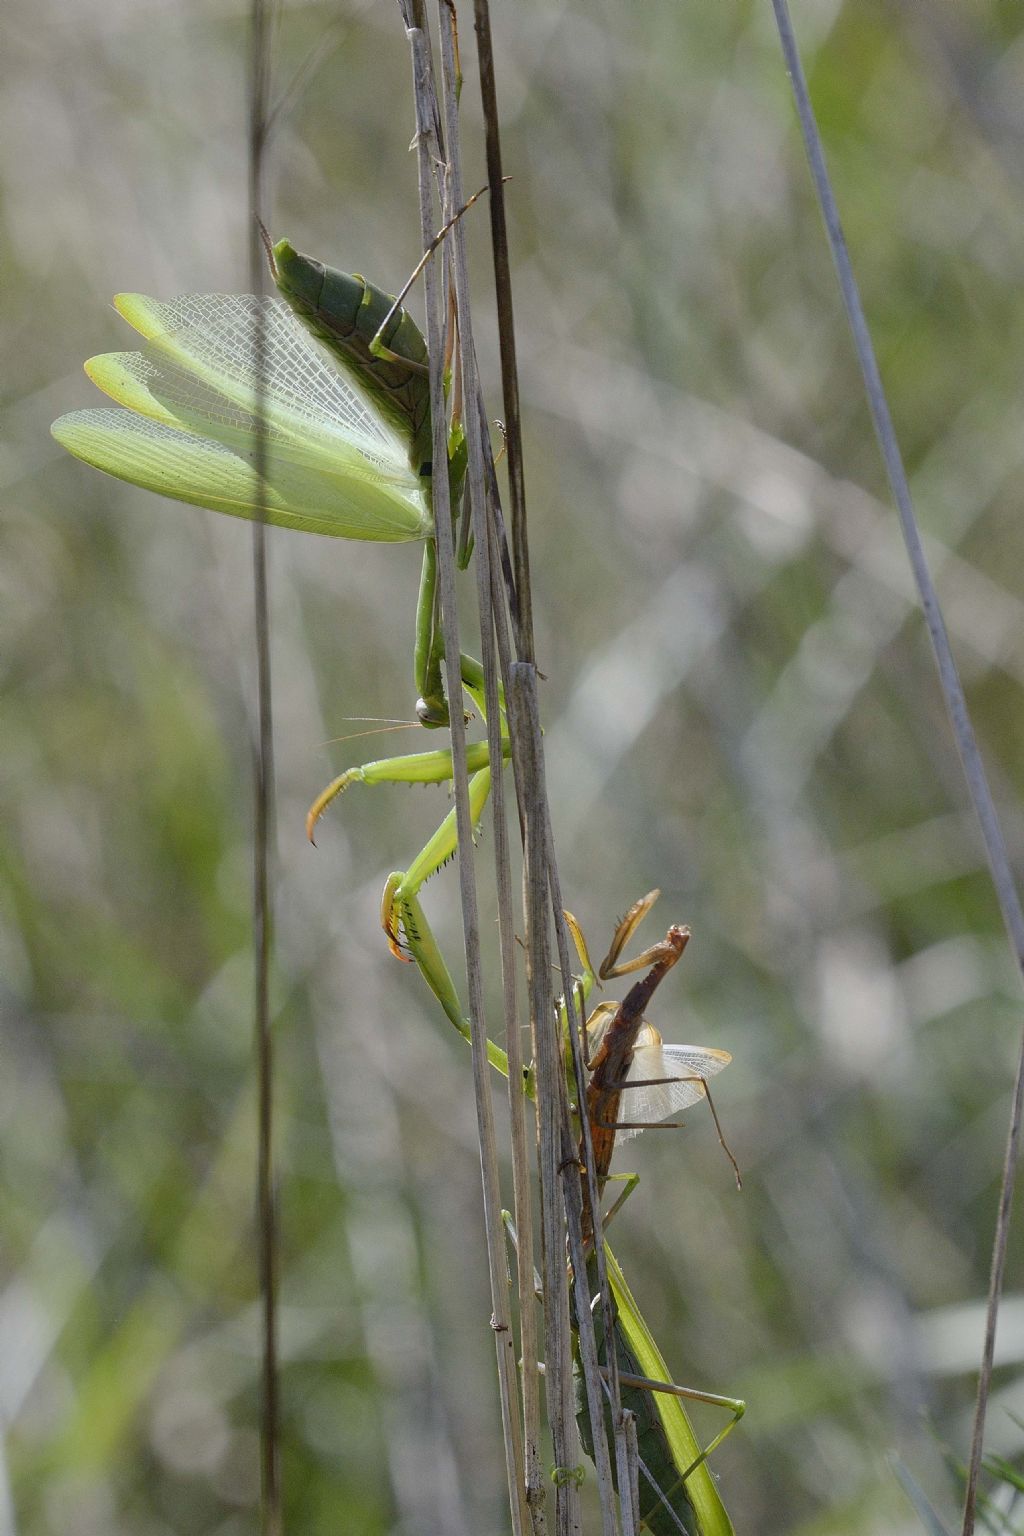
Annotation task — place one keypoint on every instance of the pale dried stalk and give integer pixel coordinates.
(271, 1519)
(533, 808)
(479, 471)
(535, 819)
(557, 1150)
(555, 1147)
(429, 155)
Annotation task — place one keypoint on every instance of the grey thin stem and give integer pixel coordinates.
(529, 770)
(263, 804)
(479, 474)
(555, 1151)
(953, 693)
(430, 153)
(532, 796)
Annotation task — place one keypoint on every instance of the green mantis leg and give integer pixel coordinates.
(414, 768)
(424, 950)
(417, 767)
(402, 917)
(410, 936)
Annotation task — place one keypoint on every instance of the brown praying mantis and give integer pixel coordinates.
(632, 1071)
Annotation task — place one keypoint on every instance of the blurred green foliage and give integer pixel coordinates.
(740, 708)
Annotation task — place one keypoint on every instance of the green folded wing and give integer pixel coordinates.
(200, 470)
(190, 431)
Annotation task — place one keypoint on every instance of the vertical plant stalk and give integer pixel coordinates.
(596, 1389)
(632, 1466)
(430, 155)
(492, 621)
(263, 804)
(536, 1486)
(535, 794)
(561, 1196)
(953, 694)
(555, 1147)
(557, 1143)
(506, 333)
(535, 820)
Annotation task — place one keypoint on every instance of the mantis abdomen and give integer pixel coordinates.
(662, 1483)
(345, 313)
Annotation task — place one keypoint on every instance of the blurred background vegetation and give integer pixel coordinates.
(740, 709)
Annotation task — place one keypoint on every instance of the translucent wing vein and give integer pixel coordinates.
(685, 1066)
(189, 430)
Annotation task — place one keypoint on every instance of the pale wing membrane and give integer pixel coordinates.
(684, 1064)
(331, 467)
(597, 1026)
(196, 469)
(338, 483)
(212, 337)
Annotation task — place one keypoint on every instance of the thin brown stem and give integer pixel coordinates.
(431, 161)
(523, 613)
(263, 806)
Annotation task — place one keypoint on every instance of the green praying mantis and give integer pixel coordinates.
(346, 451)
(344, 448)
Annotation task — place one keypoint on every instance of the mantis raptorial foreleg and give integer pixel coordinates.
(414, 768)
(396, 908)
(417, 767)
(404, 922)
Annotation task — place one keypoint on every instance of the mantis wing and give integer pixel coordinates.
(190, 431)
(682, 1064)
